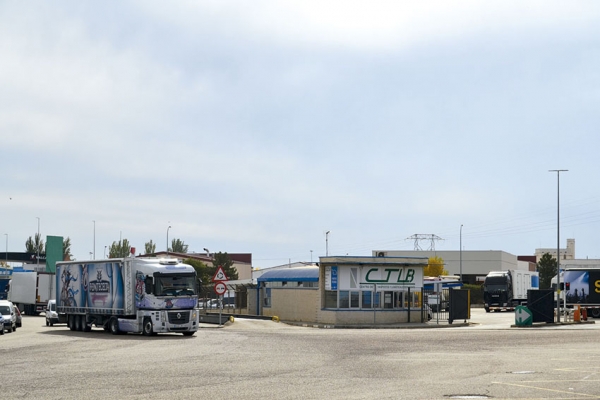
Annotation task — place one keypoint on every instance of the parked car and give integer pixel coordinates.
(19, 318)
(1, 325)
(7, 309)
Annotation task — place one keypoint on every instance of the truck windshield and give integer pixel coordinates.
(495, 287)
(175, 285)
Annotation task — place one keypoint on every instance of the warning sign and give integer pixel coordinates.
(220, 275)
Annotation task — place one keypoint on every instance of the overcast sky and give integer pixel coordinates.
(258, 126)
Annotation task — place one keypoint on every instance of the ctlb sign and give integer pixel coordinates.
(523, 316)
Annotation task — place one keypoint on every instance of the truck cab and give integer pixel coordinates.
(497, 290)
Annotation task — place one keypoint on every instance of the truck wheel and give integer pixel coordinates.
(147, 327)
(596, 312)
(71, 322)
(84, 325)
(114, 326)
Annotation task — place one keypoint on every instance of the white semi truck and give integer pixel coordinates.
(31, 290)
(138, 295)
(505, 290)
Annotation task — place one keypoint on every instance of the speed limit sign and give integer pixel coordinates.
(220, 288)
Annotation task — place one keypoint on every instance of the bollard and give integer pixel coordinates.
(576, 315)
(584, 314)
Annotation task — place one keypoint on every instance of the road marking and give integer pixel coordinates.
(549, 390)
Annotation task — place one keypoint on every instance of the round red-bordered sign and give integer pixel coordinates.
(220, 288)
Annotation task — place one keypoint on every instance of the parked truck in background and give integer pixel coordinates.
(504, 290)
(581, 287)
(139, 295)
(31, 290)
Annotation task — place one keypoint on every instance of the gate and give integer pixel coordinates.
(460, 305)
(437, 305)
(541, 304)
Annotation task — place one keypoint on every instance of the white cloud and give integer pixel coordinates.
(373, 25)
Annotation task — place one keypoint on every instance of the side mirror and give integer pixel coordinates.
(149, 283)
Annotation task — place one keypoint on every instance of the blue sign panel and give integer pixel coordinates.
(334, 278)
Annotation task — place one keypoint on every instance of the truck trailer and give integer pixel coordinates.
(138, 295)
(581, 287)
(505, 290)
(31, 290)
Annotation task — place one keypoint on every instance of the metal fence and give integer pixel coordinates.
(438, 303)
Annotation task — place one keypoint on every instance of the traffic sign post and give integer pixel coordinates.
(523, 316)
(220, 275)
(220, 287)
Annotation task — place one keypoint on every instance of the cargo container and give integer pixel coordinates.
(138, 295)
(31, 290)
(581, 286)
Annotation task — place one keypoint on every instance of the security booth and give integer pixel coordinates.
(371, 290)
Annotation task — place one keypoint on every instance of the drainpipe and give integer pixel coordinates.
(258, 298)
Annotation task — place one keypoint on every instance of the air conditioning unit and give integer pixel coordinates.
(381, 254)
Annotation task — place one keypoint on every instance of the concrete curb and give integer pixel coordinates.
(416, 325)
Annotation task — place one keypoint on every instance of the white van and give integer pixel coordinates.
(7, 309)
(52, 316)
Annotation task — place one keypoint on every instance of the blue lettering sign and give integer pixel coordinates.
(334, 278)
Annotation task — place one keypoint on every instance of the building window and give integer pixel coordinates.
(377, 300)
(344, 296)
(267, 302)
(388, 299)
(354, 299)
(367, 299)
(330, 299)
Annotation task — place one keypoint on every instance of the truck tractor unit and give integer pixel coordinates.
(137, 295)
(505, 290)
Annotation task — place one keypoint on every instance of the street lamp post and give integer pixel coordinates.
(460, 244)
(38, 244)
(311, 257)
(327, 243)
(94, 239)
(6, 253)
(168, 239)
(105, 251)
(558, 171)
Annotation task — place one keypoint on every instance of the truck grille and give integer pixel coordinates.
(179, 317)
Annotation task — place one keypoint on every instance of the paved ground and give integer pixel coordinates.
(262, 359)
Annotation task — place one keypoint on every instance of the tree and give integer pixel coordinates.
(435, 267)
(201, 270)
(546, 267)
(150, 247)
(35, 246)
(223, 260)
(178, 246)
(67, 256)
(119, 249)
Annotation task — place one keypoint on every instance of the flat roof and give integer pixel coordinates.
(299, 274)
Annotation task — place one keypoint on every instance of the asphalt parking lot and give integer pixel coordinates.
(251, 359)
